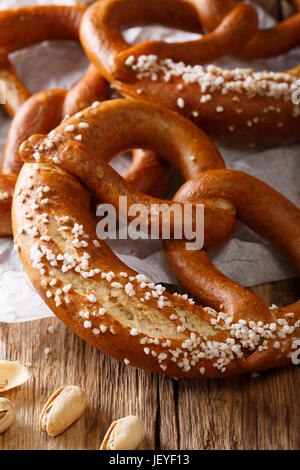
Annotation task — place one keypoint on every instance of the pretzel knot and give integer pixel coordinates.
(237, 105)
(23, 27)
(111, 306)
(270, 42)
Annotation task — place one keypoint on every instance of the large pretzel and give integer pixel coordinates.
(237, 105)
(42, 112)
(109, 305)
(265, 42)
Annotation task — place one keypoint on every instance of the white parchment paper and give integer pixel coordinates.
(246, 257)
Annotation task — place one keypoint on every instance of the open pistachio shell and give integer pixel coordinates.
(64, 407)
(12, 374)
(123, 434)
(7, 414)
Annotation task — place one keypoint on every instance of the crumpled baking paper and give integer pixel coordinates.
(246, 258)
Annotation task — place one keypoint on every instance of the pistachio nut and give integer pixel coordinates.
(12, 374)
(64, 407)
(7, 414)
(123, 434)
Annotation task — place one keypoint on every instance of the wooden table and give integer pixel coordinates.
(237, 413)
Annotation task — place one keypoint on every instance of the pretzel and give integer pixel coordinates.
(25, 26)
(235, 106)
(42, 112)
(108, 304)
(270, 42)
(103, 22)
(296, 4)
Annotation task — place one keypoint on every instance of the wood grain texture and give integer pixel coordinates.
(237, 413)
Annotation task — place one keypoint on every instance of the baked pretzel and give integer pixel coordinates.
(23, 27)
(270, 42)
(108, 304)
(296, 4)
(233, 105)
(104, 21)
(44, 111)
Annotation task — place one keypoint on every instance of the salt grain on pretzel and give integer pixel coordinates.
(108, 304)
(233, 105)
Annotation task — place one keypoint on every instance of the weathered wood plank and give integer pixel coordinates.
(167, 426)
(114, 389)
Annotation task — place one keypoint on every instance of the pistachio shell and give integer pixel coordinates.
(12, 374)
(64, 407)
(7, 414)
(123, 434)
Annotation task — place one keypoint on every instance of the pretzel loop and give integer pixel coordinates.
(271, 42)
(103, 23)
(23, 27)
(237, 105)
(108, 304)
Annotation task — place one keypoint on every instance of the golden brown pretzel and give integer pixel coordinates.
(296, 4)
(258, 206)
(104, 21)
(265, 42)
(42, 112)
(212, 13)
(101, 299)
(19, 28)
(235, 106)
(25, 26)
